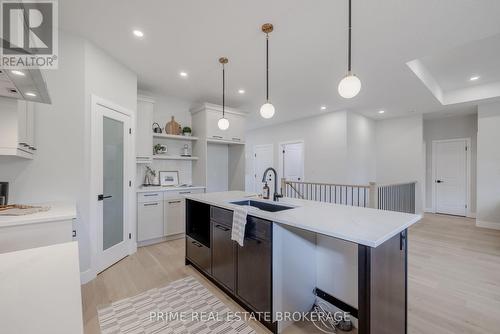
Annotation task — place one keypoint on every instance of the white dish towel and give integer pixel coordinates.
(239, 223)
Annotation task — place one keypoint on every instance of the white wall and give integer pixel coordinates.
(488, 166)
(113, 82)
(56, 173)
(361, 157)
(60, 170)
(450, 128)
(399, 151)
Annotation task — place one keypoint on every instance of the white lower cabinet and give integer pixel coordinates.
(174, 211)
(149, 220)
(160, 215)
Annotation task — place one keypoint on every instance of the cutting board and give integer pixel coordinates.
(173, 128)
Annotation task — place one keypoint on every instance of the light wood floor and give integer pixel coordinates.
(454, 279)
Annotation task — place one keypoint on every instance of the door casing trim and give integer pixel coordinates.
(131, 222)
(468, 185)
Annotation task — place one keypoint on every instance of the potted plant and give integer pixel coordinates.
(186, 131)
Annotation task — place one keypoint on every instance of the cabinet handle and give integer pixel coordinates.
(23, 144)
(197, 244)
(150, 204)
(173, 202)
(185, 192)
(149, 195)
(220, 227)
(217, 137)
(32, 148)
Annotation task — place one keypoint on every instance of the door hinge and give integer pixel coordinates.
(74, 233)
(130, 130)
(130, 235)
(283, 151)
(130, 183)
(466, 206)
(466, 148)
(255, 155)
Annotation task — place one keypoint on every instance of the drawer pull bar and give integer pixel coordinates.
(173, 202)
(149, 195)
(150, 204)
(184, 192)
(197, 244)
(220, 227)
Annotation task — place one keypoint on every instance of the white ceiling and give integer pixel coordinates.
(448, 74)
(308, 49)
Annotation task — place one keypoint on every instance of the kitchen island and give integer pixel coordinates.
(354, 258)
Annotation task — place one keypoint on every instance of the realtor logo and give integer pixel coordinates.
(29, 34)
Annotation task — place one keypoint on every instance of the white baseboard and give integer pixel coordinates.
(471, 215)
(429, 210)
(491, 225)
(87, 276)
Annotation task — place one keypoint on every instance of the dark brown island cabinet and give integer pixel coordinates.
(245, 273)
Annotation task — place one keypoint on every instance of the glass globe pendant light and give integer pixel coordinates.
(267, 109)
(350, 85)
(223, 122)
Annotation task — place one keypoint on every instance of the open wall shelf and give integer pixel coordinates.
(175, 137)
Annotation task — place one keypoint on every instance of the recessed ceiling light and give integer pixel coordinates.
(30, 94)
(16, 72)
(183, 74)
(474, 78)
(323, 108)
(138, 33)
(241, 91)
(381, 111)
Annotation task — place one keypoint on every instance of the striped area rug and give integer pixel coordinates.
(186, 306)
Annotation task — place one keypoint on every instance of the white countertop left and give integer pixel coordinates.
(58, 212)
(40, 290)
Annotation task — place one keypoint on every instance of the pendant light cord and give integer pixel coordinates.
(223, 90)
(349, 41)
(267, 67)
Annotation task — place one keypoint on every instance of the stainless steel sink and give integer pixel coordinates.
(270, 207)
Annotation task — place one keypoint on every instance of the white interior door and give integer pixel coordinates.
(263, 158)
(450, 176)
(112, 157)
(292, 155)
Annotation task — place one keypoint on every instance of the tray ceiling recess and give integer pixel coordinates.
(470, 72)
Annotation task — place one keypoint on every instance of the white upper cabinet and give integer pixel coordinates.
(236, 130)
(144, 132)
(206, 118)
(17, 126)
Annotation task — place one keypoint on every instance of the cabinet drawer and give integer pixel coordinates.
(258, 228)
(149, 197)
(182, 193)
(199, 254)
(221, 216)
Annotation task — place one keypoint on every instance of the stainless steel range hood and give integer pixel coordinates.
(27, 84)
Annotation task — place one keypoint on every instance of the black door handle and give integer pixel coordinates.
(439, 181)
(102, 197)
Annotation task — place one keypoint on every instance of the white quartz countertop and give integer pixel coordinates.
(40, 291)
(369, 227)
(57, 212)
(160, 188)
